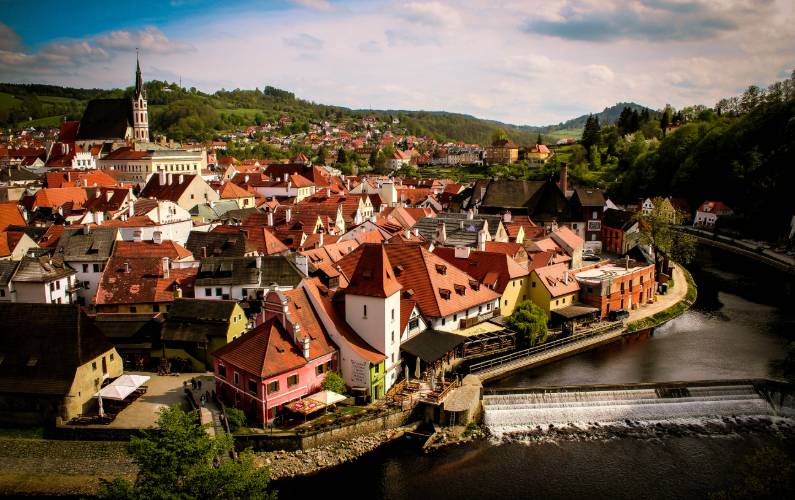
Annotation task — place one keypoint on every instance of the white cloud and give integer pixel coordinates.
(599, 73)
(149, 40)
(303, 41)
(321, 5)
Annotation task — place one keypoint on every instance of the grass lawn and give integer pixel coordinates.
(574, 133)
(24, 433)
(7, 101)
(47, 121)
(57, 100)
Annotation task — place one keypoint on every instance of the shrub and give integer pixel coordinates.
(333, 382)
(237, 418)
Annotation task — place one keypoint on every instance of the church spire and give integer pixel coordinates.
(139, 81)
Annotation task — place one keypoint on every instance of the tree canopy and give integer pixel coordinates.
(180, 460)
(530, 322)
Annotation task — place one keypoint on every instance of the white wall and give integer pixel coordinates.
(39, 293)
(453, 321)
(93, 278)
(380, 327)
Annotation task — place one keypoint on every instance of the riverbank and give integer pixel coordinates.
(684, 293)
(284, 464)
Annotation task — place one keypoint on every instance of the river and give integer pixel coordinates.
(738, 328)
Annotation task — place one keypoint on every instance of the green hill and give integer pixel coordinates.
(189, 113)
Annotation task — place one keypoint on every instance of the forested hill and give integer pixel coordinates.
(607, 116)
(182, 113)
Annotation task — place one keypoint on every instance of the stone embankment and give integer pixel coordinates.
(284, 464)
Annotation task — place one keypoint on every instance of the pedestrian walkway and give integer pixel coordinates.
(210, 413)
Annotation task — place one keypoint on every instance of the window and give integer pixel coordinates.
(556, 302)
(2, 292)
(393, 336)
(414, 324)
(593, 215)
(365, 311)
(444, 320)
(218, 292)
(252, 386)
(506, 302)
(58, 285)
(533, 284)
(208, 292)
(455, 317)
(273, 387)
(133, 309)
(292, 380)
(52, 287)
(85, 268)
(222, 371)
(96, 268)
(237, 378)
(93, 365)
(393, 358)
(393, 315)
(111, 356)
(319, 369)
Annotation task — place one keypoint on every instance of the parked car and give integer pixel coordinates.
(617, 315)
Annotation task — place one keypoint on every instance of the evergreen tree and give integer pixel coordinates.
(591, 132)
(539, 140)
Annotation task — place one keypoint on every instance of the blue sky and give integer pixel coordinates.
(519, 61)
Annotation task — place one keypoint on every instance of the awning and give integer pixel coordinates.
(575, 311)
(327, 397)
(122, 387)
(305, 406)
(432, 345)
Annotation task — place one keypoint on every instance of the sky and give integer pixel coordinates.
(518, 61)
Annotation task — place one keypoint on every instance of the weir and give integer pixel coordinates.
(513, 410)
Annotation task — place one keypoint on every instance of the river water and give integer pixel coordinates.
(738, 328)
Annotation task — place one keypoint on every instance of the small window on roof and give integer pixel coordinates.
(32, 361)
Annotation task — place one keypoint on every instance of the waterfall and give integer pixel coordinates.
(503, 411)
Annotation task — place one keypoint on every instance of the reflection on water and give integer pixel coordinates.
(727, 334)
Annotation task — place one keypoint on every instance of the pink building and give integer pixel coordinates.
(283, 359)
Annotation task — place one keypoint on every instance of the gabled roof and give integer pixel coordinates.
(265, 351)
(557, 279)
(373, 276)
(76, 244)
(425, 278)
(231, 191)
(141, 280)
(198, 320)
(10, 214)
(482, 265)
(230, 243)
(172, 190)
(148, 248)
(618, 219)
(43, 345)
(105, 119)
(41, 270)
(589, 197)
(55, 198)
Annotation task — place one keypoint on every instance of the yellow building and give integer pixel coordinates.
(502, 152)
(196, 328)
(553, 287)
(538, 154)
(54, 360)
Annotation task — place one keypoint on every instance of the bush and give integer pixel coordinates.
(530, 322)
(333, 382)
(237, 418)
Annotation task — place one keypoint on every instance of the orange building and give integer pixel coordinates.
(622, 284)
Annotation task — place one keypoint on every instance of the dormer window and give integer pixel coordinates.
(460, 289)
(444, 293)
(474, 285)
(441, 269)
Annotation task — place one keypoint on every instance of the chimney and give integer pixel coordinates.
(566, 277)
(302, 263)
(204, 252)
(320, 241)
(177, 291)
(482, 240)
(506, 217)
(564, 177)
(461, 224)
(131, 208)
(166, 267)
(245, 179)
(288, 214)
(305, 345)
(259, 261)
(626, 264)
(416, 232)
(462, 252)
(137, 236)
(408, 233)
(127, 267)
(87, 228)
(441, 233)
(108, 194)
(157, 237)
(328, 192)
(270, 219)
(470, 214)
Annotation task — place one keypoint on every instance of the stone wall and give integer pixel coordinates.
(292, 442)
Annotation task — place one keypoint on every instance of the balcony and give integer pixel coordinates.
(480, 318)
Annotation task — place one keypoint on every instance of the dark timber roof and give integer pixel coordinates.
(106, 119)
(432, 345)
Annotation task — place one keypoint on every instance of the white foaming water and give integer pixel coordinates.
(505, 411)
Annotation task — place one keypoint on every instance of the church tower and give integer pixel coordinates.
(140, 113)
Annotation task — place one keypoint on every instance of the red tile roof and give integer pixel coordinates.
(493, 269)
(425, 278)
(58, 197)
(231, 191)
(557, 279)
(171, 191)
(10, 215)
(373, 276)
(167, 248)
(143, 283)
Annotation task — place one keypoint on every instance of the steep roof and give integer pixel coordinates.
(172, 189)
(43, 345)
(265, 351)
(57, 197)
(231, 191)
(373, 276)
(197, 320)
(218, 244)
(426, 278)
(618, 219)
(10, 214)
(105, 119)
(41, 270)
(590, 197)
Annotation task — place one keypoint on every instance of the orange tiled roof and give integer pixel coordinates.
(167, 248)
(480, 265)
(373, 276)
(10, 215)
(140, 280)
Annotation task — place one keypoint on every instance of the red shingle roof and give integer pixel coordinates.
(10, 215)
(373, 276)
